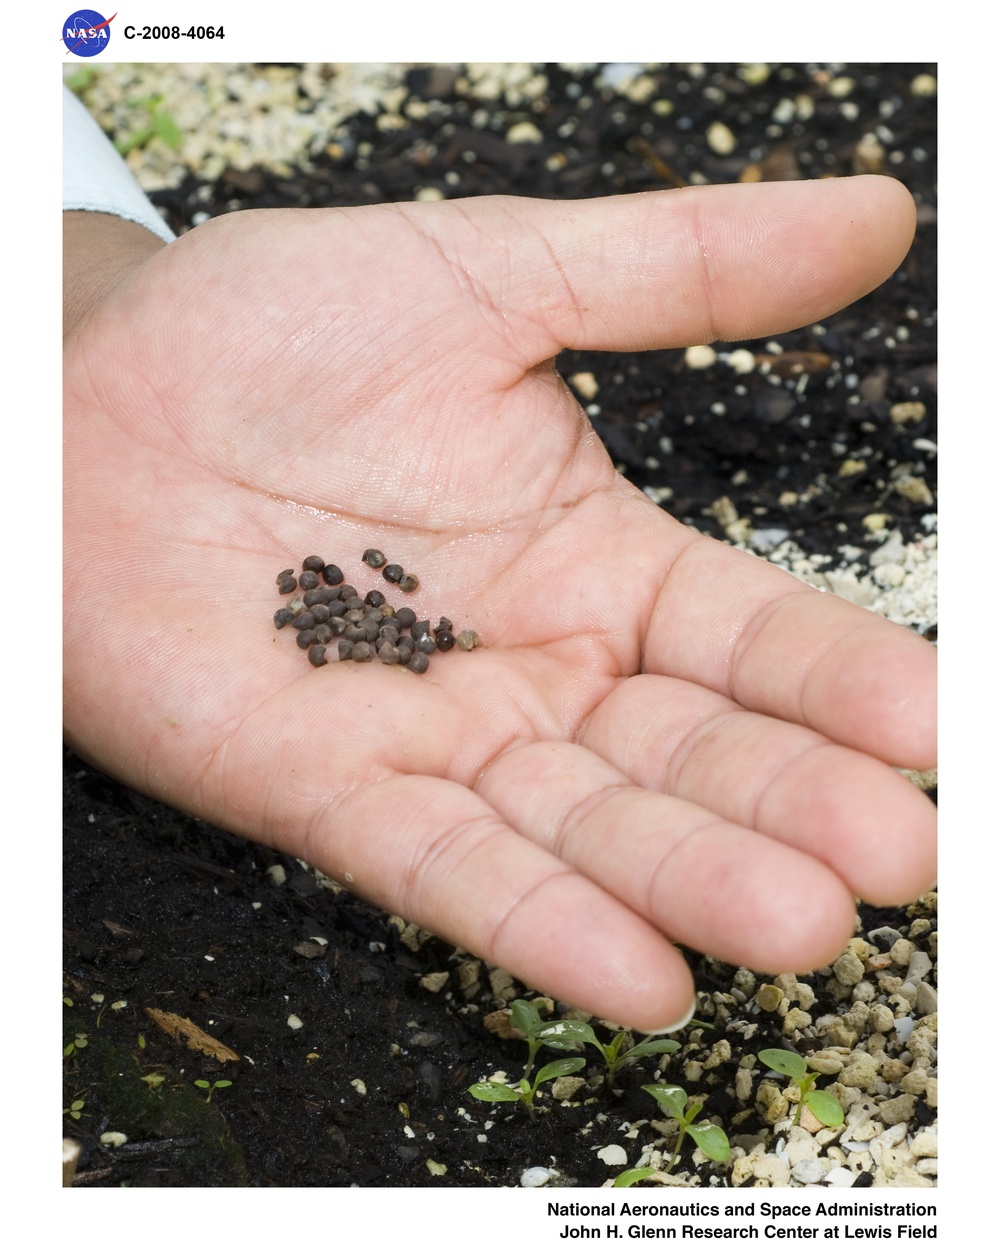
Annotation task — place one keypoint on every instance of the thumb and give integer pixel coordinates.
(671, 268)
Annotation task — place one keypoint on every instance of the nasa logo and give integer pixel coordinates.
(86, 32)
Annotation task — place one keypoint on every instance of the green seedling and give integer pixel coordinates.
(78, 1043)
(524, 1016)
(709, 1138)
(75, 1108)
(576, 1033)
(212, 1087)
(160, 126)
(823, 1105)
(632, 1177)
(524, 1091)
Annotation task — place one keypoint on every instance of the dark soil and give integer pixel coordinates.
(166, 912)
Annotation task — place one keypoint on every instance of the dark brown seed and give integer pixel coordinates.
(320, 613)
(418, 663)
(387, 610)
(317, 656)
(445, 639)
(336, 608)
(370, 630)
(337, 626)
(374, 598)
(283, 574)
(405, 617)
(353, 615)
(287, 584)
(308, 581)
(312, 597)
(306, 638)
(467, 639)
(392, 572)
(405, 648)
(332, 575)
(305, 620)
(347, 592)
(324, 633)
(355, 633)
(389, 633)
(373, 558)
(426, 644)
(442, 624)
(388, 654)
(408, 583)
(313, 564)
(283, 617)
(419, 628)
(344, 649)
(361, 652)
(354, 602)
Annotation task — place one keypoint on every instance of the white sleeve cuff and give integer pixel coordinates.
(96, 179)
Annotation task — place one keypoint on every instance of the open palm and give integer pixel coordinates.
(661, 739)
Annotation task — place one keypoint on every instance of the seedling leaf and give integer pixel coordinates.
(632, 1177)
(671, 1098)
(561, 1067)
(664, 1046)
(711, 1140)
(491, 1091)
(824, 1107)
(787, 1062)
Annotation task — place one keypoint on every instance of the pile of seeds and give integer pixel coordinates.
(323, 609)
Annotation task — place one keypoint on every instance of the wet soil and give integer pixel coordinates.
(165, 912)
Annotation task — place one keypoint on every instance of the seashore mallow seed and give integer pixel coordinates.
(363, 629)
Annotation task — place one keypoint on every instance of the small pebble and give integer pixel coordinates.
(373, 558)
(408, 583)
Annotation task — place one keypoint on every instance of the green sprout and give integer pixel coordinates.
(525, 1090)
(822, 1104)
(632, 1177)
(709, 1138)
(78, 1043)
(75, 1108)
(524, 1016)
(575, 1032)
(211, 1087)
(160, 126)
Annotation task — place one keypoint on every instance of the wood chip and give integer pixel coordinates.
(180, 1027)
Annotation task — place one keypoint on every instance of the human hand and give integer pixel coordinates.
(662, 739)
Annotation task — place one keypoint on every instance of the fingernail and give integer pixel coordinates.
(685, 1019)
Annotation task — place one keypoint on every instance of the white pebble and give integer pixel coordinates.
(720, 139)
(613, 1156)
(535, 1178)
(700, 357)
(741, 361)
(524, 132)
